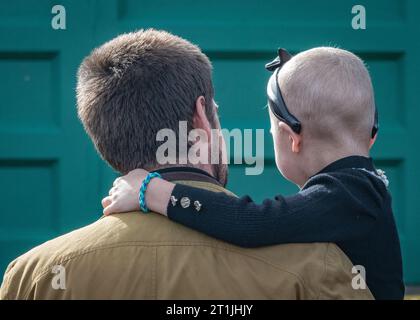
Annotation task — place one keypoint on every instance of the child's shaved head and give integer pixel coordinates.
(330, 91)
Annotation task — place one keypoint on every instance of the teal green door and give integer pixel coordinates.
(51, 180)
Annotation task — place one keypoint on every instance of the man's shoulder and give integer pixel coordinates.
(103, 234)
(106, 244)
(101, 243)
(116, 230)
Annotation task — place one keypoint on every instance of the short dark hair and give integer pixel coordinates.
(136, 84)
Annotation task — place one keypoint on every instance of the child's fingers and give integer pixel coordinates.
(116, 181)
(112, 191)
(109, 209)
(106, 202)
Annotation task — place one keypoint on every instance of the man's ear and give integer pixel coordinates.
(294, 138)
(200, 120)
(372, 141)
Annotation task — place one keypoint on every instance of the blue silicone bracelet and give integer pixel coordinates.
(143, 188)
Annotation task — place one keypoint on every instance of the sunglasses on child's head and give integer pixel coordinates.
(275, 98)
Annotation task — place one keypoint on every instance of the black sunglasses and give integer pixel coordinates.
(276, 101)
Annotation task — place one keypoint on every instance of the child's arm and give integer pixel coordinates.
(124, 194)
(325, 211)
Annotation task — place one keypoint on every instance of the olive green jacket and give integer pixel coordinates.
(138, 256)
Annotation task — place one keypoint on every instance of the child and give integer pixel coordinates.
(323, 122)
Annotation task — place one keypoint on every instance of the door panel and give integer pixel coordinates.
(44, 154)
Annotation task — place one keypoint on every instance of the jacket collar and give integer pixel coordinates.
(187, 174)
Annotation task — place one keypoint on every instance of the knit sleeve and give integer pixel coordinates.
(325, 211)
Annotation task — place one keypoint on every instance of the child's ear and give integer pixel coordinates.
(294, 138)
(372, 141)
(296, 142)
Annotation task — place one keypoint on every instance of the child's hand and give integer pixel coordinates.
(124, 195)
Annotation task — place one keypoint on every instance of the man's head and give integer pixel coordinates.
(330, 91)
(137, 84)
